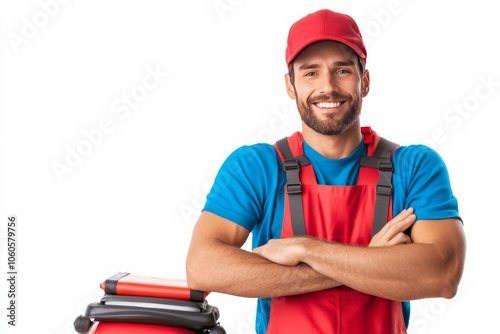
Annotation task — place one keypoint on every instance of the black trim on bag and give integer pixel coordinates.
(110, 285)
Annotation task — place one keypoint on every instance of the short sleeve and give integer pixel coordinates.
(423, 183)
(243, 184)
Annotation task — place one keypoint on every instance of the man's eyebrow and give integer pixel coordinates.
(337, 63)
(308, 66)
(344, 63)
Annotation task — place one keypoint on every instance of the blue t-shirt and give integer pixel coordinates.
(249, 191)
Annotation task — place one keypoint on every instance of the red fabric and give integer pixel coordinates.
(341, 214)
(133, 328)
(161, 287)
(320, 26)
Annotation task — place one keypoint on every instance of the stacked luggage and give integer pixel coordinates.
(134, 304)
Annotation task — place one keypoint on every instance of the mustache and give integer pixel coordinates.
(328, 97)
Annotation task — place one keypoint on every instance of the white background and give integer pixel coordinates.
(129, 202)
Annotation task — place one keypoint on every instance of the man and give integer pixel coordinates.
(322, 262)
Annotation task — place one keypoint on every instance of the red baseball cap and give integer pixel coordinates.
(324, 25)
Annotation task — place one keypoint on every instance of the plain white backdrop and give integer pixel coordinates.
(116, 115)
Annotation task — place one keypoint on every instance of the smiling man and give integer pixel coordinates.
(347, 227)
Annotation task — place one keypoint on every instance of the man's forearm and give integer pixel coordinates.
(401, 272)
(395, 272)
(228, 269)
(430, 264)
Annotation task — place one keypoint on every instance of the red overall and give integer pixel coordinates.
(341, 214)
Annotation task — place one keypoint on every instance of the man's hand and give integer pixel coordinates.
(284, 251)
(288, 251)
(393, 232)
(387, 267)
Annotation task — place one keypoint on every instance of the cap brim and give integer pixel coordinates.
(298, 50)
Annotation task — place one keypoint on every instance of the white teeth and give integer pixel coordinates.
(328, 104)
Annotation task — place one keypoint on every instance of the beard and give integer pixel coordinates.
(335, 123)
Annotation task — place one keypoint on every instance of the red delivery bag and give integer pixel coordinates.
(134, 304)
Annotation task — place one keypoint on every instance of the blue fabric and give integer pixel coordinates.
(249, 190)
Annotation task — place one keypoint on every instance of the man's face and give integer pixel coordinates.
(328, 87)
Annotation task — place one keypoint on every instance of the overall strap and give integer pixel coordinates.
(293, 188)
(382, 160)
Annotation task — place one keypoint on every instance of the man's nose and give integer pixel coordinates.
(328, 84)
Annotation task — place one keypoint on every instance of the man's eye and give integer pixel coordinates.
(310, 74)
(343, 71)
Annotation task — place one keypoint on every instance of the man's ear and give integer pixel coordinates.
(290, 89)
(365, 83)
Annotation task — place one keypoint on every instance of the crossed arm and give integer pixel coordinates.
(430, 264)
(216, 263)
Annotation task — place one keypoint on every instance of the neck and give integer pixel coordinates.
(334, 146)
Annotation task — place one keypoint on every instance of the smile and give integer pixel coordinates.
(328, 104)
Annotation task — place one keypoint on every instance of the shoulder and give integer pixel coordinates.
(245, 181)
(419, 167)
(257, 165)
(417, 158)
(256, 156)
(416, 150)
